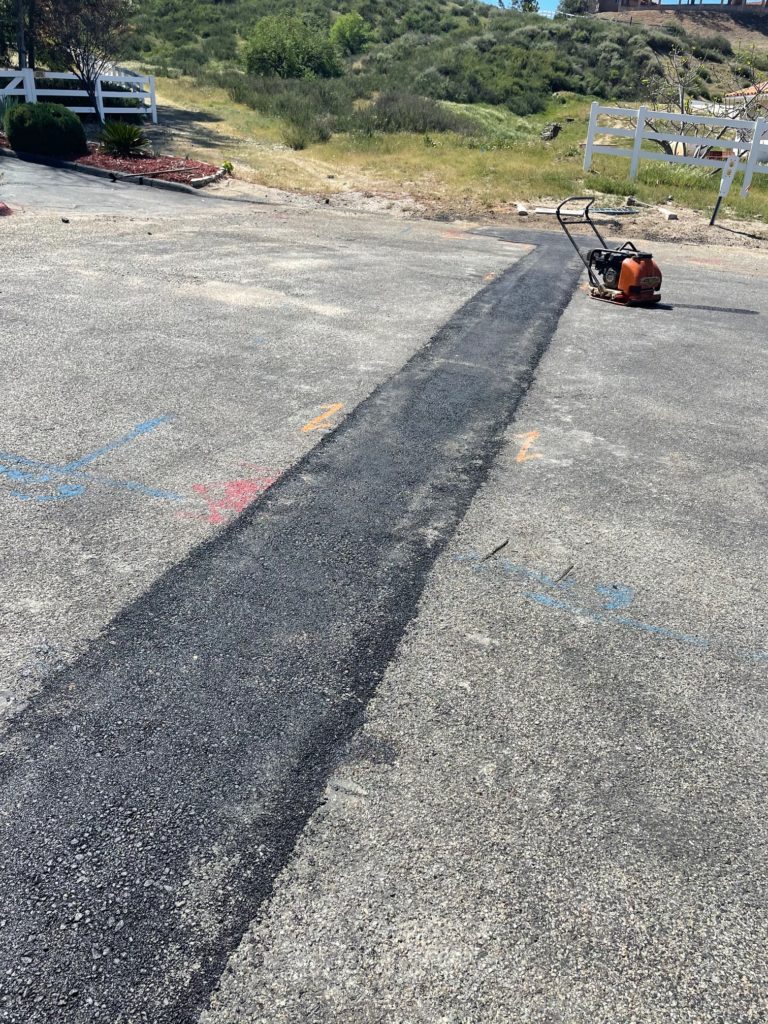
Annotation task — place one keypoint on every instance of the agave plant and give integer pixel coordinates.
(120, 138)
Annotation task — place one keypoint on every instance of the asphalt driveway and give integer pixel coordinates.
(30, 186)
(556, 808)
(383, 625)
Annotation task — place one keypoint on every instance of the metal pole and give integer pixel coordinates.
(729, 172)
(714, 212)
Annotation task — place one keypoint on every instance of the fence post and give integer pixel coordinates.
(761, 126)
(641, 114)
(99, 100)
(30, 93)
(153, 99)
(593, 115)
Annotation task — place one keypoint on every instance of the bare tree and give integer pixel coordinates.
(750, 102)
(672, 86)
(85, 35)
(674, 78)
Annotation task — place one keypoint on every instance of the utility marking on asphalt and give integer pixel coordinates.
(528, 440)
(321, 422)
(29, 472)
(599, 603)
(228, 498)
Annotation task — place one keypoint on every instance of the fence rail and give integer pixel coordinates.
(749, 147)
(33, 86)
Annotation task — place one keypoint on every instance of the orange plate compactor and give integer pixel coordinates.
(617, 275)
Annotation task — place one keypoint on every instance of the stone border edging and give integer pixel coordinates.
(101, 172)
(208, 179)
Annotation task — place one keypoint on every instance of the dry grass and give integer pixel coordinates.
(445, 172)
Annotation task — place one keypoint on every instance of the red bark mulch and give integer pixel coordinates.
(173, 168)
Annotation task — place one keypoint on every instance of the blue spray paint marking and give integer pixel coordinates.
(613, 597)
(138, 431)
(28, 471)
(616, 596)
(624, 620)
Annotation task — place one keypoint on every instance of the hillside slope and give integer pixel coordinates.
(746, 30)
(455, 50)
(196, 32)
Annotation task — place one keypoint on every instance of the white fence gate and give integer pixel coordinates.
(33, 86)
(747, 144)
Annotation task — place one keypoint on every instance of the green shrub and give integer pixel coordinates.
(287, 48)
(721, 43)
(349, 33)
(45, 128)
(296, 137)
(6, 103)
(189, 59)
(318, 106)
(122, 139)
(400, 112)
(573, 7)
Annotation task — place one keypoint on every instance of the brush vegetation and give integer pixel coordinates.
(449, 173)
(438, 96)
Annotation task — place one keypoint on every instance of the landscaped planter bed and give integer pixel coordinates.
(172, 168)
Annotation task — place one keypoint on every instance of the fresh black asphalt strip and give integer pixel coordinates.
(153, 790)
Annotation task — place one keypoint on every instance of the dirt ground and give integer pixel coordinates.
(690, 227)
(744, 35)
(355, 201)
(647, 223)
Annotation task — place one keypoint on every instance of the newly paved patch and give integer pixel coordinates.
(154, 787)
(556, 808)
(158, 374)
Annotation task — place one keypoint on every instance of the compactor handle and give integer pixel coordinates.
(581, 218)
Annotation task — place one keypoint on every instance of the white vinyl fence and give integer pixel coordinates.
(34, 86)
(737, 145)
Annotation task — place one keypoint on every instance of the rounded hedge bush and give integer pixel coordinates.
(48, 129)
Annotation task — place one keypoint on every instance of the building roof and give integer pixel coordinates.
(752, 90)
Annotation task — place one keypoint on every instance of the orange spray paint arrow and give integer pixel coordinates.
(321, 421)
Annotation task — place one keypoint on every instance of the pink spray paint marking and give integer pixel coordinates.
(228, 498)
